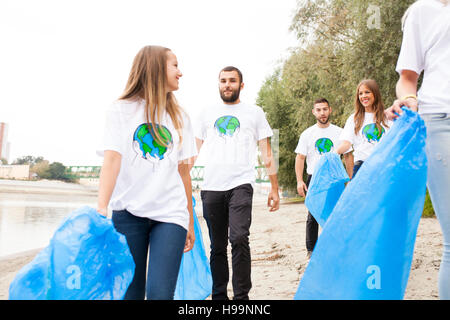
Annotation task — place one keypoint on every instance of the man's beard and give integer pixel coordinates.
(234, 96)
(324, 122)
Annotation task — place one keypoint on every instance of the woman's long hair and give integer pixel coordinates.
(148, 81)
(378, 106)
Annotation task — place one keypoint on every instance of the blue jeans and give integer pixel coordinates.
(163, 243)
(356, 167)
(438, 154)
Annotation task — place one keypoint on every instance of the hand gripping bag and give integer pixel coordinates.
(86, 259)
(326, 186)
(194, 278)
(366, 248)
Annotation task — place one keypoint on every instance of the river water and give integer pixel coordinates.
(28, 221)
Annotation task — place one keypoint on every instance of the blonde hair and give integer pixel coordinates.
(148, 81)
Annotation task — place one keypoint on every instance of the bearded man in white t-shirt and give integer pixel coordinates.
(230, 134)
(315, 141)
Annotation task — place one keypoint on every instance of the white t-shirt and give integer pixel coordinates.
(231, 134)
(148, 184)
(366, 139)
(426, 46)
(316, 141)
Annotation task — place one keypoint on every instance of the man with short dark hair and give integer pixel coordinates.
(315, 141)
(230, 133)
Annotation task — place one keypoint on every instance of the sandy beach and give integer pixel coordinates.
(277, 243)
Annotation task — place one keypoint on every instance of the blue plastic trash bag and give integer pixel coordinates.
(194, 278)
(326, 186)
(86, 259)
(366, 248)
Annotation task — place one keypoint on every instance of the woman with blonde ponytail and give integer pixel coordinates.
(148, 147)
(426, 48)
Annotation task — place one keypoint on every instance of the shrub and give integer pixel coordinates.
(428, 211)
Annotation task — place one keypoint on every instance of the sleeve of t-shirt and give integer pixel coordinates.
(302, 147)
(348, 132)
(340, 130)
(263, 129)
(112, 133)
(199, 127)
(412, 51)
(389, 123)
(188, 147)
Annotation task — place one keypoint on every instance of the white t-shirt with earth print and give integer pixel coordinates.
(367, 137)
(149, 184)
(316, 141)
(230, 134)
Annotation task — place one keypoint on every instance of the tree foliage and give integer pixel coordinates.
(44, 169)
(41, 169)
(31, 160)
(340, 43)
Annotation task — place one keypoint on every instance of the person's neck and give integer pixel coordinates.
(369, 109)
(323, 126)
(237, 101)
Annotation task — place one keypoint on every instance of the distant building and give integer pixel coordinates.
(17, 172)
(4, 144)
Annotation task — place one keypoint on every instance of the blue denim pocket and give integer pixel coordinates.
(435, 116)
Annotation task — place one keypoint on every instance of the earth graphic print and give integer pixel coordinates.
(372, 133)
(323, 145)
(227, 126)
(147, 147)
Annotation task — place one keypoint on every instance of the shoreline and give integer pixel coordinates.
(19, 255)
(46, 187)
(10, 265)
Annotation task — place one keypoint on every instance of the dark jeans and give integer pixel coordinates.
(356, 167)
(228, 216)
(165, 241)
(312, 227)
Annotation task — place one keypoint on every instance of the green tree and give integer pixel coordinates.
(31, 160)
(57, 171)
(341, 42)
(41, 169)
(338, 47)
(51, 171)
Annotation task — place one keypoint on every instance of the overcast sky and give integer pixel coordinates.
(62, 62)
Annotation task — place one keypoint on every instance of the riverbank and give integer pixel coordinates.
(46, 187)
(279, 255)
(10, 265)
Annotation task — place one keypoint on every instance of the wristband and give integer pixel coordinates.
(409, 96)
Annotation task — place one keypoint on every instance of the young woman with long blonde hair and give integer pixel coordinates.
(145, 176)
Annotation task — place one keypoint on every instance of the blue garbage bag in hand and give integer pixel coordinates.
(194, 278)
(366, 248)
(86, 259)
(326, 186)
